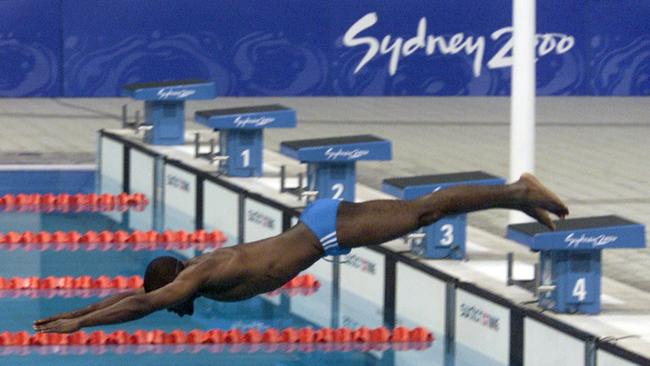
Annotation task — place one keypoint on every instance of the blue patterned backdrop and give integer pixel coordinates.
(30, 48)
(308, 47)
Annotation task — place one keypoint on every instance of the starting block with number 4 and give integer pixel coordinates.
(444, 239)
(570, 257)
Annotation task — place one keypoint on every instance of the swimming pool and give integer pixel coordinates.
(279, 310)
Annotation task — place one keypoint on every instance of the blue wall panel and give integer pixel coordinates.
(30, 48)
(619, 44)
(299, 47)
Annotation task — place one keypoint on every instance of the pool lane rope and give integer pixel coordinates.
(79, 202)
(112, 240)
(211, 348)
(305, 284)
(306, 335)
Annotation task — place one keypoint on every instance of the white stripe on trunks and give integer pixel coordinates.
(328, 241)
(328, 236)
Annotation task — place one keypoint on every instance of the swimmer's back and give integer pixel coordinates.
(245, 270)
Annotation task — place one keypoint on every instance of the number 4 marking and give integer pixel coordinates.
(580, 289)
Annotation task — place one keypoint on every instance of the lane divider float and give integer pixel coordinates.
(87, 286)
(115, 240)
(78, 202)
(70, 282)
(289, 335)
(212, 348)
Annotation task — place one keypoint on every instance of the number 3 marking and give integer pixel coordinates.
(447, 234)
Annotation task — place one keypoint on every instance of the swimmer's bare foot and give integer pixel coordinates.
(537, 201)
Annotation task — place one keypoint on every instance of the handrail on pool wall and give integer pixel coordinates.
(517, 312)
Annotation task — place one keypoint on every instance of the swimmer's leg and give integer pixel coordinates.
(375, 222)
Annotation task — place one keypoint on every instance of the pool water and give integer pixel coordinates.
(261, 312)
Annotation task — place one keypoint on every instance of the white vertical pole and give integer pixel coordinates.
(522, 99)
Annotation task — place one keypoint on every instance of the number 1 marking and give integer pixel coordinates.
(246, 156)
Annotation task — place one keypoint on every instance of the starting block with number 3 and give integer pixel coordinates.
(241, 135)
(331, 162)
(570, 257)
(444, 239)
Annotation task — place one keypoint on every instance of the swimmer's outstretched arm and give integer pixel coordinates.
(129, 308)
(90, 308)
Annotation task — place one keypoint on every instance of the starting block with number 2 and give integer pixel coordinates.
(331, 162)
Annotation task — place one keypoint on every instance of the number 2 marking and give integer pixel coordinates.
(338, 190)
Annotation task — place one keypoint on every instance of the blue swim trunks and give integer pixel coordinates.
(320, 218)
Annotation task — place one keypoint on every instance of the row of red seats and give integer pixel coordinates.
(78, 202)
(216, 336)
(213, 238)
(69, 282)
(214, 348)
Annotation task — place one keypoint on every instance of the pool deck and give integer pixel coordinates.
(592, 151)
(625, 309)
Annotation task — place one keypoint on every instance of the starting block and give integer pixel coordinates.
(164, 107)
(444, 239)
(570, 257)
(331, 162)
(241, 135)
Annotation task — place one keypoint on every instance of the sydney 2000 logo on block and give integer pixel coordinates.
(167, 93)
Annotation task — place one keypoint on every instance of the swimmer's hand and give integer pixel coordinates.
(59, 326)
(67, 315)
(88, 309)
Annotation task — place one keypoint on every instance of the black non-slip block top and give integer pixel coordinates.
(299, 144)
(573, 224)
(241, 110)
(438, 179)
(161, 84)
